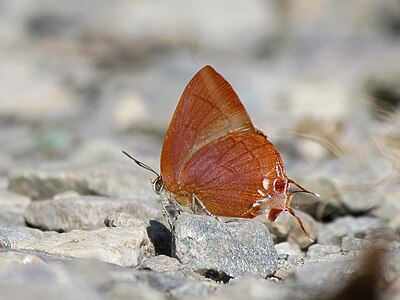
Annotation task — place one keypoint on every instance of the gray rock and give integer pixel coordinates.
(13, 202)
(289, 251)
(45, 290)
(9, 259)
(125, 246)
(127, 291)
(361, 201)
(42, 281)
(11, 219)
(175, 285)
(122, 219)
(355, 244)
(108, 179)
(390, 208)
(364, 245)
(332, 233)
(251, 287)
(159, 235)
(317, 251)
(325, 274)
(66, 213)
(12, 208)
(286, 267)
(160, 263)
(234, 248)
(10, 235)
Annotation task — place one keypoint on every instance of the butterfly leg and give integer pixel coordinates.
(177, 207)
(196, 200)
(170, 207)
(165, 213)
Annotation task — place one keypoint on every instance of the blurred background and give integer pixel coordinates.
(82, 80)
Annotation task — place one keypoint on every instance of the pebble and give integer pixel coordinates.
(252, 287)
(160, 263)
(289, 251)
(9, 259)
(124, 246)
(325, 273)
(233, 248)
(12, 208)
(159, 235)
(69, 212)
(360, 202)
(14, 234)
(317, 250)
(332, 233)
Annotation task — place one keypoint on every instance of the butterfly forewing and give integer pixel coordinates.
(208, 109)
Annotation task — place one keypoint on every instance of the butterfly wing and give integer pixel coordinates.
(232, 173)
(208, 109)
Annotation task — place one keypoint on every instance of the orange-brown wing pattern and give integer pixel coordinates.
(208, 109)
(233, 172)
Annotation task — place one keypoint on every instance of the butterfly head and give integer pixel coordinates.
(158, 185)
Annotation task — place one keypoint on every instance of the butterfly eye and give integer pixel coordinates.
(158, 185)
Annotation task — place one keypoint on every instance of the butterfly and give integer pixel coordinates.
(213, 158)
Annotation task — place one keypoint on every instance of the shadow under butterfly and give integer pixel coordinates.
(214, 160)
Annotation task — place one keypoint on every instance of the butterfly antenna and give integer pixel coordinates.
(140, 164)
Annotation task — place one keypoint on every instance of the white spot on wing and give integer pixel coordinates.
(265, 184)
(261, 193)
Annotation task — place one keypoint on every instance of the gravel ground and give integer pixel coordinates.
(82, 81)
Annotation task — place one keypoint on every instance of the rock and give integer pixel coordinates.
(325, 274)
(318, 251)
(390, 208)
(286, 268)
(10, 235)
(66, 213)
(12, 208)
(355, 244)
(359, 201)
(175, 285)
(232, 249)
(126, 290)
(10, 219)
(122, 219)
(364, 245)
(251, 287)
(362, 278)
(159, 235)
(107, 179)
(11, 258)
(160, 263)
(13, 202)
(42, 281)
(124, 246)
(332, 233)
(290, 252)
(46, 290)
